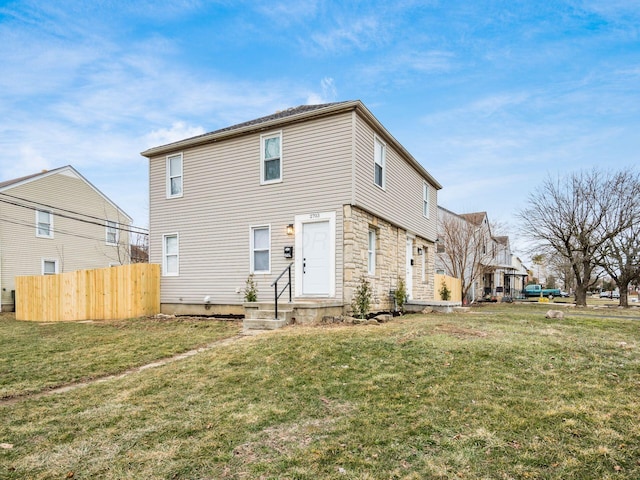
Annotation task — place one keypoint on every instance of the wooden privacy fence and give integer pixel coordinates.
(453, 284)
(104, 294)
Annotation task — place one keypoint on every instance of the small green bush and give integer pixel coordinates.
(361, 301)
(445, 293)
(251, 290)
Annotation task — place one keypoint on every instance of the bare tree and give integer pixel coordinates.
(574, 216)
(562, 270)
(620, 258)
(464, 249)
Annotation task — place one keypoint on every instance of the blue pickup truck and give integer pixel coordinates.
(538, 291)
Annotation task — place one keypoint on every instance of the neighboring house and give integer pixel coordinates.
(324, 187)
(56, 221)
(468, 250)
(501, 279)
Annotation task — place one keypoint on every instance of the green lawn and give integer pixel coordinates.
(36, 356)
(498, 393)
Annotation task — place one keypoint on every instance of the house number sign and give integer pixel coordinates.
(314, 215)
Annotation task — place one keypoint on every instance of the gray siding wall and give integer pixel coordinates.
(75, 245)
(401, 201)
(223, 197)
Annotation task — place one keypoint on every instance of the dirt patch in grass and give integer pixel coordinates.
(460, 332)
(283, 439)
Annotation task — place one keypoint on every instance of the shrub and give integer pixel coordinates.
(251, 290)
(361, 299)
(445, 293)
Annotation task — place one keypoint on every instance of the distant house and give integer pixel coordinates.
(56, 221)
(468, 249)
(325, 188)
(506, 274)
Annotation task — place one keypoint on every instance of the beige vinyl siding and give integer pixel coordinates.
(223, 197)
(75, 245)
(401, 201)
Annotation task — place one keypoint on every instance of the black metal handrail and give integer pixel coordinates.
(275, 285)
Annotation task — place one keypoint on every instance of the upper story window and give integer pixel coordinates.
(271, 158)
(174, 176)
(371, 252)
(379, 157)
(425, 200)
(170, 255)
(261, 249)
(44, 224)
(111, 233)
(49, 267)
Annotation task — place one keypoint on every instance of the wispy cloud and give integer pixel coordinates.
(328, 93)
(177, 131)
(284, 14)
(347, 35)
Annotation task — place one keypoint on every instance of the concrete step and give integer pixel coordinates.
(283, 314)
(262, 323)
(305, 311)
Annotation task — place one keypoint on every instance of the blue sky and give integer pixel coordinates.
(490, 96)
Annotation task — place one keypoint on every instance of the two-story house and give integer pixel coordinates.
(56, 221)
(325, 188)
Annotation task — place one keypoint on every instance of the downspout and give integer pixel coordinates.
(353, 156)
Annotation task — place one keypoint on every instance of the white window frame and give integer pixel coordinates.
(55, 266)
(111, 227)
(379, 160)
(263, 138)
(252, 248)
(170, 177)
(371, 251)
(165, 255)
(38, 234)
(426, 204)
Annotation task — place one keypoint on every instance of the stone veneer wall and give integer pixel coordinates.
(390, 259)
(423, 286)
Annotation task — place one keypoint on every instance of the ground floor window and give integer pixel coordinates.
(49, 267)
(261, 249)
(170, 255)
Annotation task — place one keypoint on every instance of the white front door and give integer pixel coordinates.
(315, 257)
(316, 247)
(409, 267)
